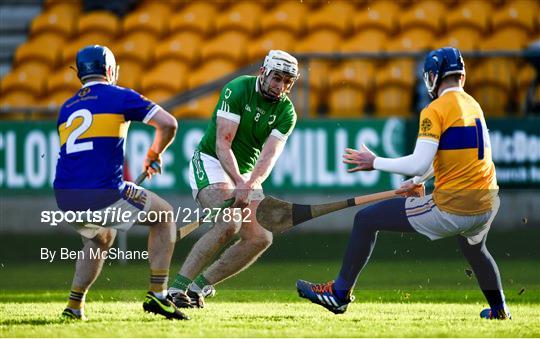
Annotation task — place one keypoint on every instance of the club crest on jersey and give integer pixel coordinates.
(271, 119)
(228, 93)
(84, 91)
(425, 125)
(247, 108)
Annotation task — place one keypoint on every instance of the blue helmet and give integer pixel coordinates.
(97, 61)
(441, 63)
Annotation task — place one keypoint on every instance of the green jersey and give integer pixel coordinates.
(258, 118)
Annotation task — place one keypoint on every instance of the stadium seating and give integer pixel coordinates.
(210, 71)
(199, 108)
(287, 16)
(59, 18)
(220, 47)
(44, 48)
(182, 46)
(23, 80)
(334, 15)
(169, 76)
(151, 19)
(273, 40)
(130, 73)
(165, 47)
(197, 17)
(137, 46)
(394, 88)
(98, 21)
(242, 16)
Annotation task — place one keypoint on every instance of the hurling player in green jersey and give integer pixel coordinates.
(249, 127)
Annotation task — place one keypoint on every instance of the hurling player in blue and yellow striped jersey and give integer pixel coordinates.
(93, 127)
(453, 145)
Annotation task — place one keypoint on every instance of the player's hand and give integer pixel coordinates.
(410, 189)
(152, 157)
(241, 195)
(363, 159)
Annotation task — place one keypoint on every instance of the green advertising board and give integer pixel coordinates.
(311, 161)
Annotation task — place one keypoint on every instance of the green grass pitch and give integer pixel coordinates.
(404, 292)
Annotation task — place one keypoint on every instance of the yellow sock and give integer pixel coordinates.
(158, 280)
(77, 297)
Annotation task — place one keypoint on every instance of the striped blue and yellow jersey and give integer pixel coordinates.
(92, 126)
(465, 181)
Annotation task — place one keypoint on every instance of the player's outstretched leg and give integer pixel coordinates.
(324, 295)
(87, 269)
(488, 276)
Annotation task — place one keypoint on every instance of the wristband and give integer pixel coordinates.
(152, 155)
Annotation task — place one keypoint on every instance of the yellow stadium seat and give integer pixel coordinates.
(492, 98)
(63, 79)
(505, 38)
(159, 95)
(497, 71)
(411, 40)
(243, 16)
(130, 74)
(394, 88)
(287, 16)
(464, 38)
(323, 40)
(18, 80)
(356, 73)
(393, 101)
(334, 15)
(183, 46)
(152, 19)
(377, 15)
(346, 101)
(230, 45)
(198, 108)
(36, 68)
(520, 13)
(198, 17)
(317, 71)
(474, 14)
(426, 14)
(70, 6)
(57, 98)
(44, 48)
(210, 71)
(168, 75)
(69, 52)
(59, 19)
(366, 40)
(307, 101)
(525, 78)
(283, 40)
(15, 99)
(98, 21)
(138, 46)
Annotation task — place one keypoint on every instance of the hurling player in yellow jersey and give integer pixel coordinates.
(453, 145)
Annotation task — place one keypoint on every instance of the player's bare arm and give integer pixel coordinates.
(166, 127)
(226, 131)
(415, 164)
(270, 153)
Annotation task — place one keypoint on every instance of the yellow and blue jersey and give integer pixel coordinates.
(92, 126)
(465, 180)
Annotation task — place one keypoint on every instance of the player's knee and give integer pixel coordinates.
(260, 239)
(105, 238)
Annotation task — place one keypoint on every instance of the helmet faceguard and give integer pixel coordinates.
(279, 62)
(97, 61)
(439, 64)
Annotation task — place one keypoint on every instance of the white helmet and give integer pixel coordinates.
(279, 61)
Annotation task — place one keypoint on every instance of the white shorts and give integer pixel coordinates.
(206, 170)
(426, 218)
(134, 199)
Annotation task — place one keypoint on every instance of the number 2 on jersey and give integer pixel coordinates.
(71, 146)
